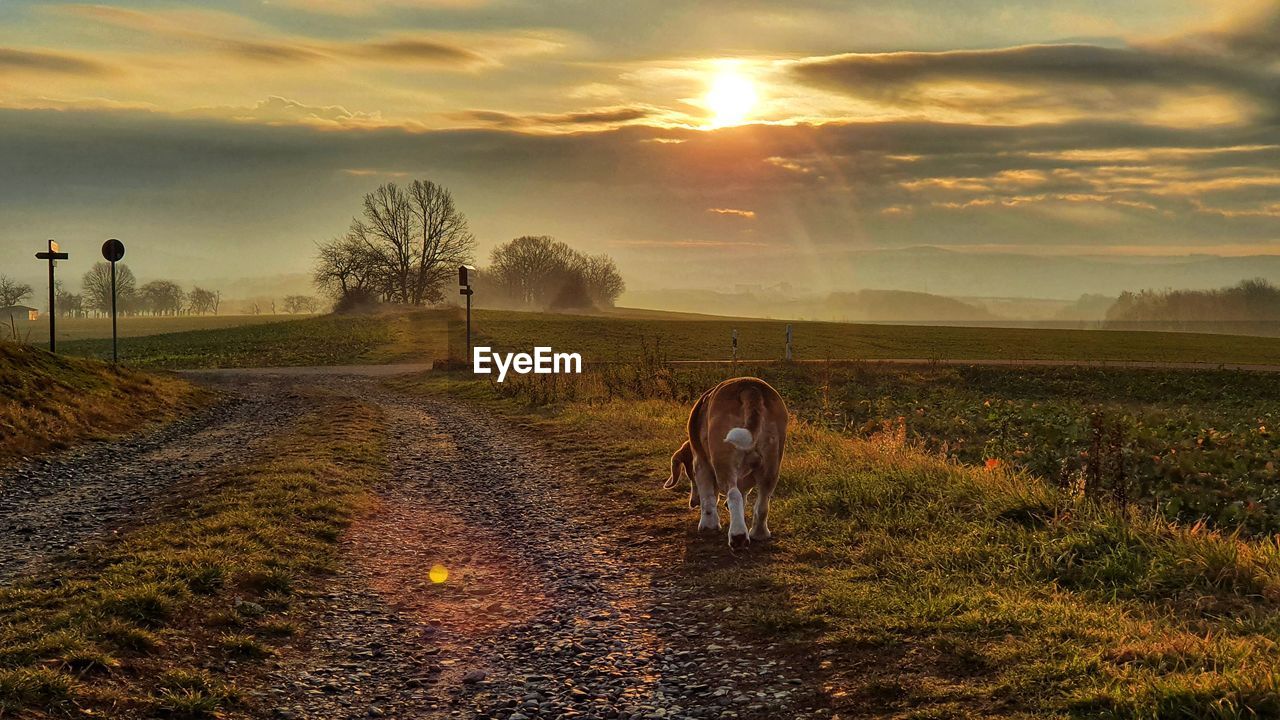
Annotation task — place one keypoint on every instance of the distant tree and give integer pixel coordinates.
(347, 263)
(12, 292)
(540, 271)
(161, 297)
(69, 304)
(530, 270)
(294, 304)
(97, 288)
(1252, 305)
(201, 301)
(403, 247)
(604, 283)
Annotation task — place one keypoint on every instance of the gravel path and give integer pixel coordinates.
(545, 613)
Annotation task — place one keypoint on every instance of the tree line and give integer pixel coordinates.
(1250, 302)
(406, 244)
(156, 297)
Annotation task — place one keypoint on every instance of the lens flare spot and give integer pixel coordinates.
(438, 574)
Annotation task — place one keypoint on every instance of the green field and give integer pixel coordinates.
(70, 329)
(622, 335)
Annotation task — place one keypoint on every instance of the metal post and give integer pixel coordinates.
(735, 346)
(788, 341)
(468, 326)
(114, 356)
(52, 312)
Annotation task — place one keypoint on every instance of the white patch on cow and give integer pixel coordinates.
(739, 438)
(737, 513)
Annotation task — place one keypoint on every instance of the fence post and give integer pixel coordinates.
(735, 347)
(788, 341)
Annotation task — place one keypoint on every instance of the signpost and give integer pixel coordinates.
(113, 251)
(464, 280)
(53, 255)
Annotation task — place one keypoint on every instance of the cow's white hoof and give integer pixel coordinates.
(761, 535)
(738, 542)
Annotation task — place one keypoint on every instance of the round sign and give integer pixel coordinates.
(113, 250)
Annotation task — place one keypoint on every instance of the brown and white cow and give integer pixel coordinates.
(736, 433)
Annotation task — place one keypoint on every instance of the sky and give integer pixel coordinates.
(702, 144)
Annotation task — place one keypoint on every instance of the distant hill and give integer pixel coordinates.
(860, 306)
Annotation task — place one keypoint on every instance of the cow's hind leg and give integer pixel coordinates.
(705, 481)
(768, 480)
(726, 467)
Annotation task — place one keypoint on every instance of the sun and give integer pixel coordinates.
(730, 98)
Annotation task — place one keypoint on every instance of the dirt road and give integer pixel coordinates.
(547, 610)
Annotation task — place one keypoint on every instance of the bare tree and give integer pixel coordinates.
(12, 292)
(403, 247)
(445, 241)
(161, 297)
(97, 287)
(201, 301)
(347, 263)
(531, 269)
(388, 230)
(69, 304)
(604, 282)
(540, 271)
(294, 304)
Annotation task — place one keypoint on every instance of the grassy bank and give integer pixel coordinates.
(931, 589)
(48, 402)
(157, 621)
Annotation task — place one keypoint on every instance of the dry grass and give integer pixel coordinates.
(48, 402)
(152, 622)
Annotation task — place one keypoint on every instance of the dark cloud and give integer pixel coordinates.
(412, 50)
(586, 117)
(1039, 68)
(12, 60)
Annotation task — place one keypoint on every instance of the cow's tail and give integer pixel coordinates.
(744, 438)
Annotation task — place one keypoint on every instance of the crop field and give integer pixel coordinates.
(622, 335)
(1190, 446)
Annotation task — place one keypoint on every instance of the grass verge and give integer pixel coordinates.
(154, 622)
(928, 589)
(48, 402)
